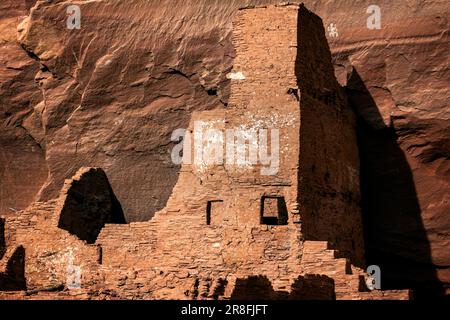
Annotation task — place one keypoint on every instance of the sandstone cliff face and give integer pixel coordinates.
(398, 84)
(23, 168)
(110, 95)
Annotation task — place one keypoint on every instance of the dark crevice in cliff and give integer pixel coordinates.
(28, 134)
(43, 67)
(211, 91)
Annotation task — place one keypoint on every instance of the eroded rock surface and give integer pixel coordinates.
(111, 93)
(23, 168)
(238, 229)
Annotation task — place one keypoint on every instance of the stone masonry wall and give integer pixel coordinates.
(329, 191)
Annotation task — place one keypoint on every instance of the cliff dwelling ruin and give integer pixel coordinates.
(228, 231)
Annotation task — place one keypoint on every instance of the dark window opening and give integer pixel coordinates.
(213, 211)
(100, 255)
(90, 203)
(44, 68)
(212, 92)
(2, 238)
(274, 211)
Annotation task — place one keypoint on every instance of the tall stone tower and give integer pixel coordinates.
(285, 69)
(280, 163)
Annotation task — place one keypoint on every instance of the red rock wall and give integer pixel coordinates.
(178, 255)
(402, 66)
(23, 168)
(398, 84)
(90, 83)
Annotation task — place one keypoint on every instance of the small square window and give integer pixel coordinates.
(214, 212)
(274, 211)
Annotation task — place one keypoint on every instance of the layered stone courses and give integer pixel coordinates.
(285, 82)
